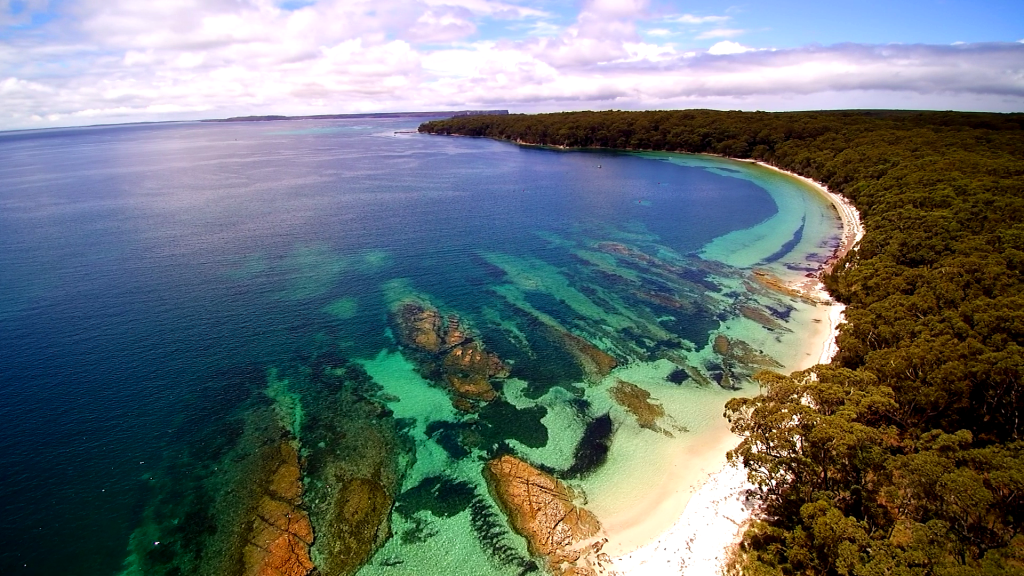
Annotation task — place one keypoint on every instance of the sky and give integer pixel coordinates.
(78, 62)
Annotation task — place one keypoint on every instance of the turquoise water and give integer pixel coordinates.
(175, 298)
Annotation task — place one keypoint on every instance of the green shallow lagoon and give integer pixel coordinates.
(216, 294)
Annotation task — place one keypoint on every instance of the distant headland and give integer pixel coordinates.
(434, 114)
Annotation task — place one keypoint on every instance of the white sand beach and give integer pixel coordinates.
(710, 492)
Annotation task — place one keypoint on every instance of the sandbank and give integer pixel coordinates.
(660, 508)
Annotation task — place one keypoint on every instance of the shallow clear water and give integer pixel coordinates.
(163, 288)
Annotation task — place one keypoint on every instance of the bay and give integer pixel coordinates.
(166, 291)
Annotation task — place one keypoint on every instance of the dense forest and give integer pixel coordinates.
(905, 455)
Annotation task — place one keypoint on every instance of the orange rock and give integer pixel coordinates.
(278, 543)
(540, 508)
(467, 369)
(453, 334)
(465, 366)
(638, 402)
(776, 284)
(721, 345)
(286, 482)
(419, 326)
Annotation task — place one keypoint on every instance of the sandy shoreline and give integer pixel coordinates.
(716, 512)
(853, 229)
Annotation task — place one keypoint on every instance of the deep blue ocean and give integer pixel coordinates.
(152, 276)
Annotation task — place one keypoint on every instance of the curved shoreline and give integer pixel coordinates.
(716, 515)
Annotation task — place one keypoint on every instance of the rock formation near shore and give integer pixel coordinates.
(744, 354)
(419, 326)
(541, 509)
(448, 352)
(279, 540)
(357, 455)
(595, 363)
(637, 402)
(761, 317)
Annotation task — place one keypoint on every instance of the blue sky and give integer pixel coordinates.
(69, 62)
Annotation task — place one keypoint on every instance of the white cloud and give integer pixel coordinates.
(444, 24)
(720, 33)
(691, 19)
(728, 47)
(640, 52)
(215, 58)
(542, 28)
(616, 8)
(15, 86)
(490, 8)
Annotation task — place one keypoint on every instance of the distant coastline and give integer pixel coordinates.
(270, 118)
(428, 114)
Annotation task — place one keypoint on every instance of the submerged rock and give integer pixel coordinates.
(596, 363)
(744, 354)
(360, 509)
(357, 457)
(637, 401)
(468, 370)
(447, 350)
(774, 283)
(698, 376)
(761, 317)
(739, 361)
(419, 326)
(721, 345)
(541, 509)
(357, 478)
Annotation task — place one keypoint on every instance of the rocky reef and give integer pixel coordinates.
(637, 402)
(743, 354)
(357, 458)
(543, 510)
(241, 513)
(755, 313)
(595, 363)
(446, 351)
(280, 533)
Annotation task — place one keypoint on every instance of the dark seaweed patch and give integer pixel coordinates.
(502, 421)
(421, 530)
(700, 278)
(580, 405)
(495, 273)
(695, 327)
(592, 451)
(678, 376)
(548, 304)
(549, 365)
(595, 296)
(780, 313)
(496, 422)
(448, 436)
(441, 496)
(493, 533)
(789, 245)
